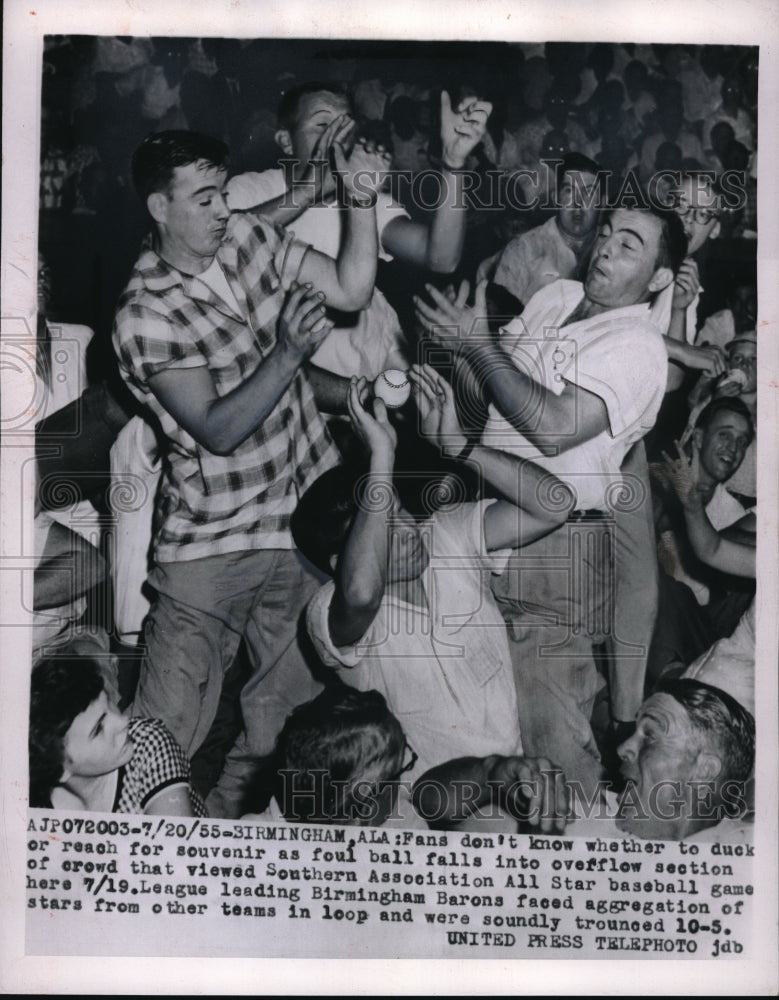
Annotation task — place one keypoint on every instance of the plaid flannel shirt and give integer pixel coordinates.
(212, 504)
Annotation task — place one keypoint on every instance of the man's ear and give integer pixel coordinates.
(157, 203)
(697, 436)
(708, 766)
(661, 279)
(334, 563)
(284, 140)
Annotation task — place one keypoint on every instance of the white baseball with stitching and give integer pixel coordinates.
(393, 387)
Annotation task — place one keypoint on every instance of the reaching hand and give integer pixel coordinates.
(705, 358)
(449, 320)
(437, 411)
(532, 790)
(462, 130)
(375, 431)
(684, 475)
(686, 285)
(365, 170)
(302, 325)
(318, 168)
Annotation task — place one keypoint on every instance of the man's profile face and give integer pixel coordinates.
(722, 445)
(696, 205)
(658, 762)
(623, 262)
(315, 112)
(193, 215)
(579, 201)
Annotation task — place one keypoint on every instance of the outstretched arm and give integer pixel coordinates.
(307, 183)
(536, 500)
(538, 414)
(439, 245)
(361, 573)
(707, 543)
(348, 281)
(531, 790)
(221, 423)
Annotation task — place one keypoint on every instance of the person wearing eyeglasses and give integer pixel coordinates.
(342, 758)
(697, 202)
(409, 609)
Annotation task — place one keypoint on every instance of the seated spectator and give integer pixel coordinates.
(739, 315)
(686, 624)
(697, 203)
(392, 618)
(730, 663)
(671, 129)
(340, 758)
(732, 111)
(335, 759)
(687, 765)
(639, 107)
(721, 138)
(86, 755)
(558, 248)
(739, 381)
(720, 438)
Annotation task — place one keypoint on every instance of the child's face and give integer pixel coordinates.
(98, 740)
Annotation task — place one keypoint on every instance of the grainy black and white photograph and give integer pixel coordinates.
(390, 549)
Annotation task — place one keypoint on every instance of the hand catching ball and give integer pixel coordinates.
(393, 387)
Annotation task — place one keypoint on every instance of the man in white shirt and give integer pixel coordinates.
(574, 383)
(300, 195)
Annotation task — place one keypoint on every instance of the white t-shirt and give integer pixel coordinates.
(730, 663)
(374, 342)
(618, 355)
(445, 669)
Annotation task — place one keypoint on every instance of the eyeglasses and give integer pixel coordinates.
(703, 216)
(742, 360)
(409, 752)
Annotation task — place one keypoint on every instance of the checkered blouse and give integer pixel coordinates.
(211, 504)
(157, 763)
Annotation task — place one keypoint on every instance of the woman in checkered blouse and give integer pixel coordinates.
(86, 755)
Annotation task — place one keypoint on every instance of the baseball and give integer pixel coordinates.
(393, 387)
(735, 377)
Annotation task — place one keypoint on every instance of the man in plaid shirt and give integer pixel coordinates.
(212, 331)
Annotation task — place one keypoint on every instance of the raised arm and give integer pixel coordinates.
(709, 360)
(538, 414)
(221, 423)
(439, 246)
(348, 281)
(307, 183)
(536, 500)
(361, 573)
(707, 543)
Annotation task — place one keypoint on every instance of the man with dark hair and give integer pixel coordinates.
(220, 315)
(697, 605)
(313, 117)
(558, 248)
(342, 758)
(574, 383)
(687, 763)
